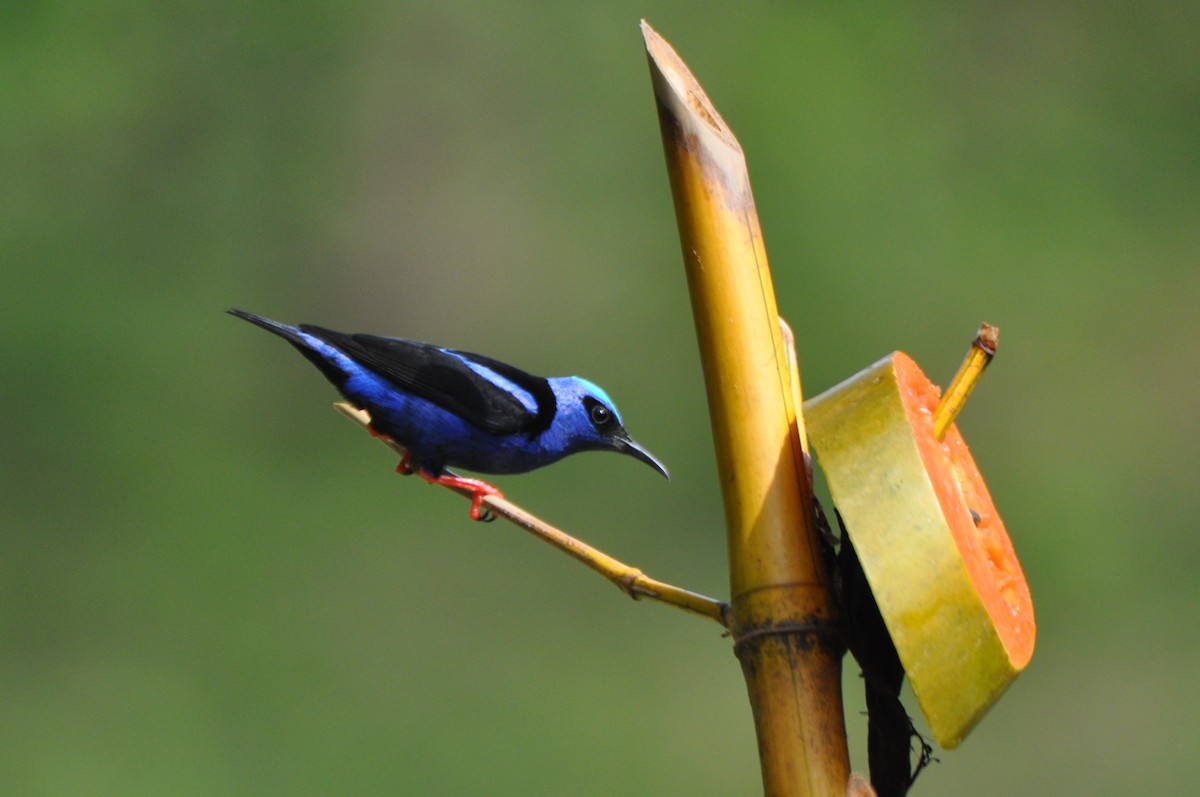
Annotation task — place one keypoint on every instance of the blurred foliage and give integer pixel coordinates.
(210, 583)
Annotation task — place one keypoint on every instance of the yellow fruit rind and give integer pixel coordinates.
(947, 641)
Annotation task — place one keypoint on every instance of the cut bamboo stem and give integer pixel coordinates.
(630, 580)
(781, 611)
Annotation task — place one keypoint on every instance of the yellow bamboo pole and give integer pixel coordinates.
(781, 611)
(630, 580)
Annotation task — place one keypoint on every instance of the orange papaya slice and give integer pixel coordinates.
(932, 545)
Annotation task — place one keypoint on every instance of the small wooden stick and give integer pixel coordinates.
(983, 349)
(630, 580)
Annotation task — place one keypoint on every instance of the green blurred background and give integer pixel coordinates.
(211, 584)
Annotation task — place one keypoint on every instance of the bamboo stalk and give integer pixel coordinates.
(781, 611)
(630, 580)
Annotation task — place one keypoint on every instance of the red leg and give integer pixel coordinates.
(476, 487)
(405, 468)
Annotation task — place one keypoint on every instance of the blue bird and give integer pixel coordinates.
(451, 408)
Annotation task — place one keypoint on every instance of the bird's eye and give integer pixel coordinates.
(600, 415)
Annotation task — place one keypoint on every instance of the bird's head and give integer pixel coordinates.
(588, 420)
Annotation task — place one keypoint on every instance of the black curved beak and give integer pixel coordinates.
(627, 445)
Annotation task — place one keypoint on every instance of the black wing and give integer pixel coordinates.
(437, 375)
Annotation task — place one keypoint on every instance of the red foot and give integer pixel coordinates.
(377, 434)
(405, 468)
(476, 487)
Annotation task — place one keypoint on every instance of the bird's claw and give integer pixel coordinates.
(479, 512)
(477, 488)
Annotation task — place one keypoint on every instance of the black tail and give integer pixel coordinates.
(294, 336)
(282, 330)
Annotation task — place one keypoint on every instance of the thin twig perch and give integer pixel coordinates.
(630, 580)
